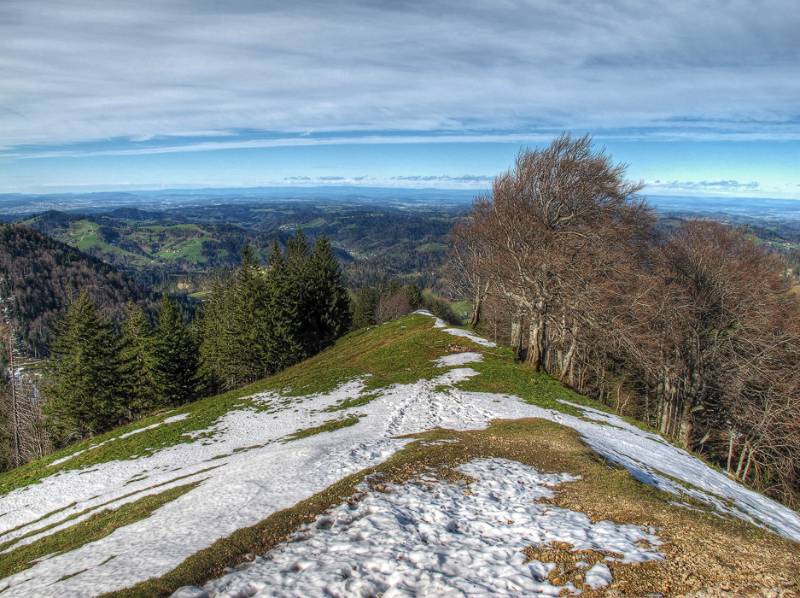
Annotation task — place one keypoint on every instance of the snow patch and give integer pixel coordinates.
(652, 460)
(256, 474)
(599, 576)
(434, 539)
(169, 420)
(478, 340)
(458, 359)
(439, 323)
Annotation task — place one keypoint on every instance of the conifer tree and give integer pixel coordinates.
(414, 296)
(263, 320)
(84, 374)
(176, 358)
(285, 307)
(138, 362)
(214, 373)
(330, 305)
(364, 305)
(250, 319)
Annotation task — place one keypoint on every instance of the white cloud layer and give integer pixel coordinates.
(87, 71)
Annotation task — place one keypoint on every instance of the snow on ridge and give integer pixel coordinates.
(459, 359)
(653, 460)
(257, 474)
(650, 459)
(434, 539)
(439, 323)
(479, 340)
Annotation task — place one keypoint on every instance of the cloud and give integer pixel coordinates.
(467, 181)
(720, 186)
(137, 73)
(482, 180)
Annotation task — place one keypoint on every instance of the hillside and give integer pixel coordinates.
(42, 276)
(409, 457)
(200, 238)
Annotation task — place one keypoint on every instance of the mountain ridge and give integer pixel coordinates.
(406, 403)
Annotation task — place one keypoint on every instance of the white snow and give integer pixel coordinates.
(471, 336)
(599, 576)
(246, 470)
(169, 420)
(436, 539)
(439, 323)
(459, 359)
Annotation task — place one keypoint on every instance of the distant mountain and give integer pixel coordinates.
(42, 276)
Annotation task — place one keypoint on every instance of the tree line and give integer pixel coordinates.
(694, 331)
(261, 318)
(40, 276)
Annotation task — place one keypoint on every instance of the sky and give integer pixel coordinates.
(698, 98)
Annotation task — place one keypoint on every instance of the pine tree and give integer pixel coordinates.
(250, 319)
(263, 320)
(138, 361)
(176, 357)
(330, 306)
(214, 375)
(364, 305)
(285, 307)
(84, 374)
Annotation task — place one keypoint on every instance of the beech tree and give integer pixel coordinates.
(693, 331)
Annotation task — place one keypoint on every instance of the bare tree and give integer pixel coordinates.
(694, 332)
(20, 402)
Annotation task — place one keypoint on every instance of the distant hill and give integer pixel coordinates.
(409, 458)
(196, 239)
(135, 239)
(42, 275)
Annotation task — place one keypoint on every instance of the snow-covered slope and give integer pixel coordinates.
(260, 458)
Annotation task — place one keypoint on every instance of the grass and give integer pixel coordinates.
(176, 242)
(86, 236)
(711, 548)
(500, 373)
(90, 530)
(328, 426)
(188, 250)
(703, 551)
(396, 352)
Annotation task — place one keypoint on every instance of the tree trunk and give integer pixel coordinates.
(730, 451)
(566, 364)
(475, 316)
(686, 425)
(536, 342)
(516, 335)
(742, 456)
